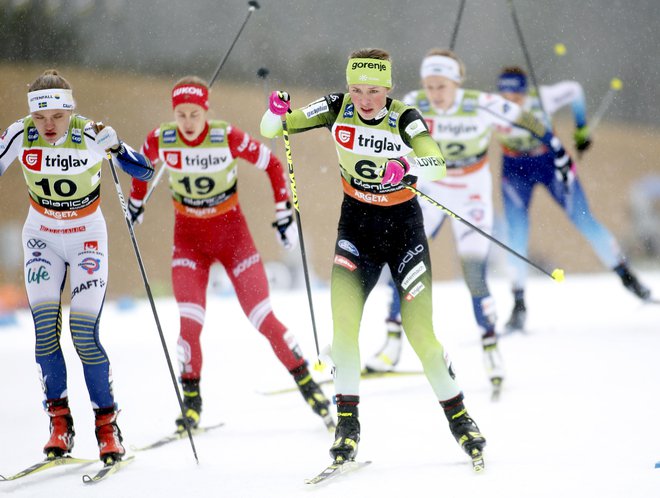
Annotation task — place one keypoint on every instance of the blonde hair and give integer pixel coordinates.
(50, 78)
(192, 80)
(448, 53)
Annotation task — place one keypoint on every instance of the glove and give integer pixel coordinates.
(395, 170)
(582, 138)
(107, 139)
(564, 167)
(279, 103)
(136, 210)
(286, 228)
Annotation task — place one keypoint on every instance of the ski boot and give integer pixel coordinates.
(108, 435)
(192, 405)
(387, 358)
(347, 433)
(61, 428)
(493, 362)
(519, 314)
(630, 282)
(313, 394)
(465, 430)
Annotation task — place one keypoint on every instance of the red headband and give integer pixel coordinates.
(190, 94)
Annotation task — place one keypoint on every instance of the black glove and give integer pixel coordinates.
(286, 229)
(563, 163)
(136, 210)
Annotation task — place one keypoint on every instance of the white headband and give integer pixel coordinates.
(53, 98)
(440, 65)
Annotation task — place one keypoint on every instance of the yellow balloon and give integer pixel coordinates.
(560, 49)
(616, 84)
(558, 274)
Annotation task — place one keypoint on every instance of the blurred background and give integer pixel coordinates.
(123, 57)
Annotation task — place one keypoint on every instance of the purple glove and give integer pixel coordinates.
(279, 103)
(395, 170)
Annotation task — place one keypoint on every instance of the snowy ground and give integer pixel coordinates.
(578, 416)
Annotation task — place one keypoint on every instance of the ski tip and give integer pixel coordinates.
(496, 389)
(338, 467)
(108, 469)
(478, 464)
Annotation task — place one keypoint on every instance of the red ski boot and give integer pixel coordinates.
(61, 428)
(108, 435)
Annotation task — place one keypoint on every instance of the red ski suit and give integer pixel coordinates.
(210, 227)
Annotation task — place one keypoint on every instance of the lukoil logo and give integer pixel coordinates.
(345, 135)
(173, 159)
(32, 159)
(188, 90)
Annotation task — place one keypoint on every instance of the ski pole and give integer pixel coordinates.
(294, 199)
(457, 23)
(615, 85)
(143, 272)
(154, 183)
(532, 74)
(262, 73)
(252, 6)
(557, 274)
(528, 59)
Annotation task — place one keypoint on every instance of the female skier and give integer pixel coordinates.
(526, 163)
(376, 139)
(201, 156)
(61, 154)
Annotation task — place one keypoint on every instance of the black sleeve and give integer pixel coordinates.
(322, 113)
(408, 117)
(334, 101)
